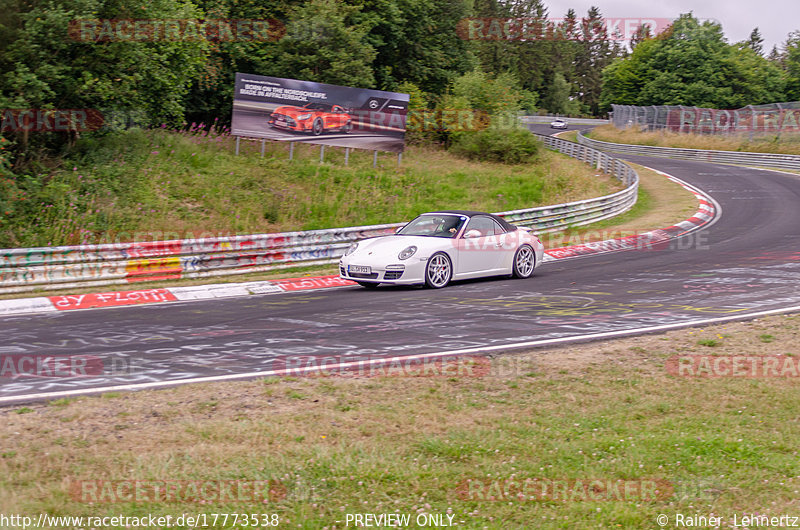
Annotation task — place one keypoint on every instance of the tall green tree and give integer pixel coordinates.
(643, 32)
(211, 93)
(755, 42)
(791, 62)
(416, 41)
(44, 65)
(557, 98)
(692, 64)
(597, 51)
(323, 44)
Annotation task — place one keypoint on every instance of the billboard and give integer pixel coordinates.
(289, 110)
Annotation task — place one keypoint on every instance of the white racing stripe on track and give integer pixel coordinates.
(378, 362)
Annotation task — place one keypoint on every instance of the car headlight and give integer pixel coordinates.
(304, 116)
(352, 248)
(407, 252)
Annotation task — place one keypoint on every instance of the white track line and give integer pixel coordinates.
(465, 351)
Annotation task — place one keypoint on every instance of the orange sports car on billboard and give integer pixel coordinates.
(314, 117)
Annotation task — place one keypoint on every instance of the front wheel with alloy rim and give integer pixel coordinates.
(524, 262)
(438, 271)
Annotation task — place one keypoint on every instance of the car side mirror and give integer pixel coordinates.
(472, 234)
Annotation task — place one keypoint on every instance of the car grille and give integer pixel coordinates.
(392, 275)
(289, 121)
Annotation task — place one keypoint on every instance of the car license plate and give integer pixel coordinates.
(360, 269)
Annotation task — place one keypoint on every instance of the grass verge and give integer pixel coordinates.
(608, 411)
(660, 203)
(786, 143)
(157, 185)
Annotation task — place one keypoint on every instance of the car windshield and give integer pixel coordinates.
(434, 226)
(318, 106)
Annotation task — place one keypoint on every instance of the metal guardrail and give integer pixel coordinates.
(772, 118)
(577, 121)
(47, 268)
(740, 158)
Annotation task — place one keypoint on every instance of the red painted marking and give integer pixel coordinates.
(565, 252)
(312, 282)
(118, 298)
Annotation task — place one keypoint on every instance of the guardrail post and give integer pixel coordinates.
(263, 142)
(375, 159)
(346, 155)
(237, 144)
(399, 159)
(291, 150)
(321, 153)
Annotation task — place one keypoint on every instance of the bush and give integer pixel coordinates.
(509, 146)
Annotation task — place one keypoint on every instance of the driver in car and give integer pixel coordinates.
(451, 225)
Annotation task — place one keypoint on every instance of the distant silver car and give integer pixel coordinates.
(558, 123)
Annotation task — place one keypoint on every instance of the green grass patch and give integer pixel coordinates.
(759, 143)
(407, 445)
(149, 185)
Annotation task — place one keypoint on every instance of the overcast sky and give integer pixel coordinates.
(774, 18)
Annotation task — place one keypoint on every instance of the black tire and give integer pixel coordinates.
(438, 271)
(347, 127)
(524, 262)
(318, 127)
(368, 285)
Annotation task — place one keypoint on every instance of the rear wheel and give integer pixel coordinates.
(368, 285)
(438, 271)
(347, 127)
(524, 262)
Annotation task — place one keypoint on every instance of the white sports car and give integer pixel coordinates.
(441, 246)
(558, 123)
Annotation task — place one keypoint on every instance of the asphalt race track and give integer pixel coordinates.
(745, 263)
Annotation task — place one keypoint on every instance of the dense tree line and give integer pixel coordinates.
(692, 64)
(446, 53)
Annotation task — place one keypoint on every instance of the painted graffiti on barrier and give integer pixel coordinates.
(119, 298)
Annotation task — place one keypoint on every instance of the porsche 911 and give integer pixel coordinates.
(438, 247)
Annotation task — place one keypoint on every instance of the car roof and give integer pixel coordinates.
(472, 213)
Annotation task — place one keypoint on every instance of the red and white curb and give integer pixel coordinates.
(707, 213)
(70, 302)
